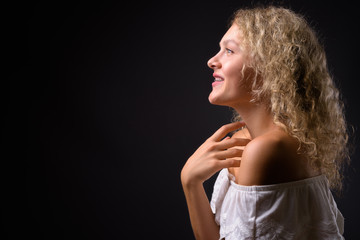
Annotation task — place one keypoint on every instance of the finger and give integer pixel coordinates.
(233, 142)
(225, 129)
(230, 153)
(229, 163)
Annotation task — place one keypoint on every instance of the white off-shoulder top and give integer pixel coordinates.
(302, 209)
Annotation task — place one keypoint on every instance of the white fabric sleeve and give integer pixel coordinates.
(298, 210)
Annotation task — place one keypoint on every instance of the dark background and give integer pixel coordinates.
(104, 102)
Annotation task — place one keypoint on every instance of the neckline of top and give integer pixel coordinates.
(320, 178)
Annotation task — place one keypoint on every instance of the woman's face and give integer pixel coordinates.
(229, 87)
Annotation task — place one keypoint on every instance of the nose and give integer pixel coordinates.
(214, 63)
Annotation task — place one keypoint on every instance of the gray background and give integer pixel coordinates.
(104, 102)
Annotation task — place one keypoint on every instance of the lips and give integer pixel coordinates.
(217, 79)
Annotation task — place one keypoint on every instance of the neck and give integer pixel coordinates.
(257, 117)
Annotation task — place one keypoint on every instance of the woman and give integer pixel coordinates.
(277, 171)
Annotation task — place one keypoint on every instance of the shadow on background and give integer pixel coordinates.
(105, 102)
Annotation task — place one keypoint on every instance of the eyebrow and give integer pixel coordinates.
(226, 41)
(229, 41)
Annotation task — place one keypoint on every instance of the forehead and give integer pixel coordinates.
(233, 34)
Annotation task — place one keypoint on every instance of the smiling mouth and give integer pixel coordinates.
(217, 81)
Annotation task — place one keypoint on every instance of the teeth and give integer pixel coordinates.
(218, 79)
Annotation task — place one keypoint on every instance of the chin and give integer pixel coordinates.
(214, 100)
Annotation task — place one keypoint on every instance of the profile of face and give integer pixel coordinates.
(229, 87)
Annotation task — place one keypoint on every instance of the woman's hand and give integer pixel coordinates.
(213, 155)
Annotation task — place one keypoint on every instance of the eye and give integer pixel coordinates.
(229, 51)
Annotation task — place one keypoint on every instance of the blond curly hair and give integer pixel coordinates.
(292, 77)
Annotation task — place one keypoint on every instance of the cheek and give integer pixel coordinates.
(233, 74)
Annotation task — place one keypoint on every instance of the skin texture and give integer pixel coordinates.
(262, 153)
(209, 158)
(228, 64)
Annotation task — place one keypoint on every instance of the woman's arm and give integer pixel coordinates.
(213, 155)
(201, 217)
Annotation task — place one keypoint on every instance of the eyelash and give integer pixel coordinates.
(229, 50)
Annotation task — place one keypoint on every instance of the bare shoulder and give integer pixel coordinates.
(271, 158)
(271, 144)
